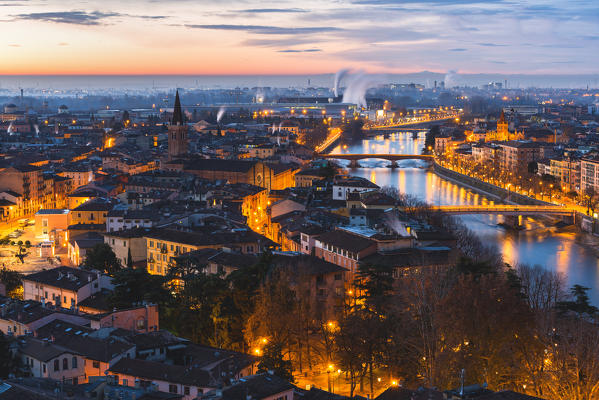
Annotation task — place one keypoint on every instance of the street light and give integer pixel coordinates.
(329, 369)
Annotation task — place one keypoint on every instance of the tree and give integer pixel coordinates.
(375, 285)
(429, 141)
(591, 201)
(133, 285)
(273, 312)
(7, 362)
(13, 281)
(129, 259)
(581, 304)
(272, 360)
(533, 167)
(484, 322)
(469, 266)
(102, 258)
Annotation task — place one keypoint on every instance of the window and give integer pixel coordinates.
(124, 243)
(338, 277)
(186, 390)
(151, 242)
(44, 368)
(74, 363)
(96, 364)
(65, 299)
(56, 365)
(172, 388)
(65, 363)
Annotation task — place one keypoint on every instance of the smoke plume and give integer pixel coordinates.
(221, 112)
(358, 85)
(451, 79)
(338, 77)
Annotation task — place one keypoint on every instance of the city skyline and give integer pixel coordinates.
(284, 37)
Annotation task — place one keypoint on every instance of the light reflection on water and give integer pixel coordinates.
(560, 252)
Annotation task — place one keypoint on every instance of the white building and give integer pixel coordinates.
(48, 360)
(64, 286)
(351, 184)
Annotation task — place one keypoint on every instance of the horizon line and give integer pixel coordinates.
(298, 74)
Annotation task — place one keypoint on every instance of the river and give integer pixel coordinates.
(568, 253)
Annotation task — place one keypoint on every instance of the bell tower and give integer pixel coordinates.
(502, 128)
(177, 132)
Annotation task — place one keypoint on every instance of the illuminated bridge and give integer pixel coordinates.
(354, 158)
(503, 209)
(420, 123)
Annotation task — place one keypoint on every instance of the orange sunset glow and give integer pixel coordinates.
(285, 37)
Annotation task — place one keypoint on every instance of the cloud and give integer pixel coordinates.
(486, 44)
(76, 17)
(68, 17)
(63, 44)
(458, 49)
(299, 51)
(426, 2)
(272, 10)
(14, 45)
(279, 42)
(267, 30)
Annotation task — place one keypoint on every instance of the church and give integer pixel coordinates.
(177, 132)
(502, 133)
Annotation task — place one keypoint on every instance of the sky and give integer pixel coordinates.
(225, 37)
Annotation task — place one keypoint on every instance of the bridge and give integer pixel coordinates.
(506, 209)
(410, 123)
(513, 213)
(354, 158)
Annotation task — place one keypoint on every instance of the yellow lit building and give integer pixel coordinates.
(163, 245)
(502, 134)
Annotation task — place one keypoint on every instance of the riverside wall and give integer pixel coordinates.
(582, 221)
(488, 189)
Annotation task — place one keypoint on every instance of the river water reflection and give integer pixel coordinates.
(565, 252)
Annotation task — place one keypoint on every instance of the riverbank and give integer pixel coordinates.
(583, 222)
(485, 188)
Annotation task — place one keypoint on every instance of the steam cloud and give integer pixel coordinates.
(451, 79)
(221, 112)
(358, 85)
(338, 76)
